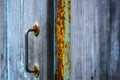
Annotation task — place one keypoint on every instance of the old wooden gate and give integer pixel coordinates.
(78, 39)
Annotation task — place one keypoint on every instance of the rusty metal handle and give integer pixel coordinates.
(35, 69)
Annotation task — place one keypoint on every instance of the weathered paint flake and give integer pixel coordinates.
(63, 66)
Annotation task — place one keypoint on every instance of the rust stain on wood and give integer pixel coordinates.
(63, 68)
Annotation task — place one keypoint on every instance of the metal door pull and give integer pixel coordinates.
(35, 69)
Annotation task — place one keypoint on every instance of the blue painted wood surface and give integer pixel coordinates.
(3, 54)
(21, 16)
(95, 39)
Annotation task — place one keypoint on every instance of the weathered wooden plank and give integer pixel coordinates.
(109, 39)
(21, 16)
(85, 40)
(3, 55)
(95, 39)
(15, 47)
(37, 12)
(114, 36)
(104, 36)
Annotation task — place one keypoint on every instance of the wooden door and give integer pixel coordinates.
(94, 37)
(16, 17)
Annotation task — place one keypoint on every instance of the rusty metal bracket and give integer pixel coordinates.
(62, 40)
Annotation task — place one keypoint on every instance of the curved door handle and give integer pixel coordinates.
(35, 69)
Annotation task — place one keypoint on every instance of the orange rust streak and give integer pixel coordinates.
(60, 38)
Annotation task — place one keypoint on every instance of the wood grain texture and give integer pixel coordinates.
(85, 37)
(104, 42)
(3, 55)
(95, 39)
(21, 16)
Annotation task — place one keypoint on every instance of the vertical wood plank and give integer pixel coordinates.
(114, 61)
(35, 12)
(21, 16)
(109, 39)
(104, 36)
(3, 55)
(95, 39)
(85, 40)
(15, 47)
